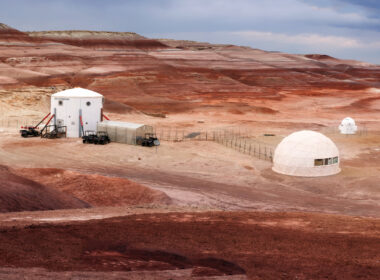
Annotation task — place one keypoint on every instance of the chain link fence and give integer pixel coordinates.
(332, 130)
(242, 141)
(10, 122)
(248, 146)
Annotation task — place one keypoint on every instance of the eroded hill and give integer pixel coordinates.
(168, 76)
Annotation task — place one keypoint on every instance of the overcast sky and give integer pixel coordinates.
(341, 28)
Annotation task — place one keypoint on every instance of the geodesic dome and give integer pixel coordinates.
(348, 126)
(306, 153)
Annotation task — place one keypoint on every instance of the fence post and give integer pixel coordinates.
(259, 151)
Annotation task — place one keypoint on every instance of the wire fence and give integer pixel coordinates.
(18, 122)
(361, 131)
(242, 141)
(178, 134)
(248, 146)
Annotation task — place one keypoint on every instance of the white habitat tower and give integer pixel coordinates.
(72, 105)
(306, 153)
(348, 126)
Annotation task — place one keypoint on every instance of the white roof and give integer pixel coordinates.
(77, 92)
(122, 124)
(296, 153)
(348, 121)
(348, 126)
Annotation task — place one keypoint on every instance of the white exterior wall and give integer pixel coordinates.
(296, 155)
(67, 114)
(123, 132)
(348, 126)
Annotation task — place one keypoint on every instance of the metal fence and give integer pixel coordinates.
(178, 134)
(10, 122)
(362, 131)
(242, 141)
(248, 146)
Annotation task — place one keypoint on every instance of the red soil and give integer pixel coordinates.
(13, 35)
(21, 194)
(319, 56)
(134, 72)
(144, 44)
(262, 245)
(96, 190)
(222, 85)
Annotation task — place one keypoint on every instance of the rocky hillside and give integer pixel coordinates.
(168, 76)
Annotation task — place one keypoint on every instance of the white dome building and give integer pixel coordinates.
(348, 126)
(306, 153)
(72, 106)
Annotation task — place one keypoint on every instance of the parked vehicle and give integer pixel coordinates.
(29, 131)
(89, 137)
(92, 137)
(32, 131)
(149, 140)
(102, 138)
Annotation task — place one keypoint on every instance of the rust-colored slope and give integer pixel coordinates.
(9, 34)
(95, 189)
(20, 194)
(134, 72)
(100, 40)
(261, 245)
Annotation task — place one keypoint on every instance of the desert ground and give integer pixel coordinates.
(191, 208)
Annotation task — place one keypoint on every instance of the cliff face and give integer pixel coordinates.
(169, 76)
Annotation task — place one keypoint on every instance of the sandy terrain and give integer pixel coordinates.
(191, 209)
(207, 174)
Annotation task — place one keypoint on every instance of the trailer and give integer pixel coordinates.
(32, 131)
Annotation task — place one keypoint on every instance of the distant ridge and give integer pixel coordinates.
(81, 34)
(5, 27)
(319, 56)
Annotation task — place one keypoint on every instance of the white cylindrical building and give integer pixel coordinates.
(306, 153)
(348, 126)
(70, 105)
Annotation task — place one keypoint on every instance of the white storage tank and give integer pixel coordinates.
(69, 106)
